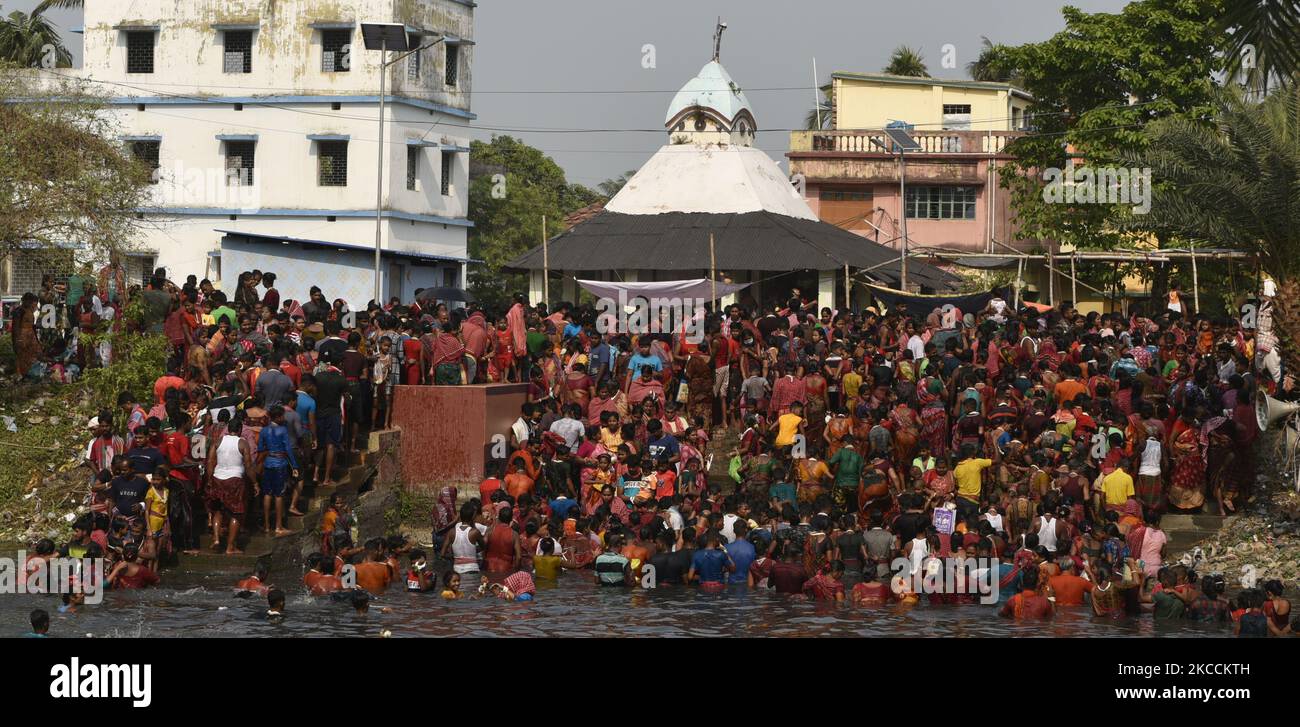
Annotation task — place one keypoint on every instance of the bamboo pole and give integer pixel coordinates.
(1074, 281)
(713, 274)
(546, 267)
(848, 303)
(1196, 286)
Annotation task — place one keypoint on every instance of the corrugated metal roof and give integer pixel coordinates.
(742, 241)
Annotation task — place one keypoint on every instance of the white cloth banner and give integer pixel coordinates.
(699, 289)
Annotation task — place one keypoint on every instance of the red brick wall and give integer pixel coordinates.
(447, 431)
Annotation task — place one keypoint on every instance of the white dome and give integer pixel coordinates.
(712, 88)
(712, 179)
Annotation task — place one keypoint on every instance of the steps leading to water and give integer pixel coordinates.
(1186, 531)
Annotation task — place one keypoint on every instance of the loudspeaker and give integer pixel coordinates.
(1269, 410)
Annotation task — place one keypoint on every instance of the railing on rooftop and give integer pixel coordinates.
(874, 141)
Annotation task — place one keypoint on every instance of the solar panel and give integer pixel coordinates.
(389, 35)
(902, 139)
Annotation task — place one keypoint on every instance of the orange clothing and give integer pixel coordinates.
(1068, 389)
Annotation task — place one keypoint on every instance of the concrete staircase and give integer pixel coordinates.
(1185, 531)
(351, 472)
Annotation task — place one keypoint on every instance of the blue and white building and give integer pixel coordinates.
(262, 118)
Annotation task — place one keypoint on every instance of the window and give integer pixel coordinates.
(449, 276)
(844, 195)
(1017, 119)
(139, 51)
(336, 51)
(412, 166)
(333, 163)
(956, 108)
(238, 46)
(413, 61)
(453, 63)
(847, 208)
(447, 158)
(941, 203)
(147, 152)
(239, 163)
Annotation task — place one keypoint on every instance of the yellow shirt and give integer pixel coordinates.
(967, 476)
(787, 427)
(852, 383)
(611, 440)
(1118, 486)
(547, 567)
(155, 501)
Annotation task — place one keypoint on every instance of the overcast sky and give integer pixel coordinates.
(596, 45)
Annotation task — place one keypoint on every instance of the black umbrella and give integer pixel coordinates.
(452, 294)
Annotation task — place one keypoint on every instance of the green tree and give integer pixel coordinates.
(987, 66)
(517, 187)
(1235, 183)
(1263, 40)
(32, 42)
(47, 4)
(1096, 85)
(820, 117)
(610, 187)
(66, 179)
(906, 61)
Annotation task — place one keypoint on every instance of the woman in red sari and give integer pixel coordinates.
(906, 427)
(934, 418)
(1187, 483)
(578, 387)
(413, 355)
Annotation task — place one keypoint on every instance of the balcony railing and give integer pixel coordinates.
(932, 142)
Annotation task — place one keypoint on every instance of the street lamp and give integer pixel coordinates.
(385, 37)
(905, 143)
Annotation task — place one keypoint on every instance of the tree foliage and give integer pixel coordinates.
(1096, 85)
(1263, 40)
(1235, 183)
(67, 180)
(26, 39)
(905, 61)
(515, 186)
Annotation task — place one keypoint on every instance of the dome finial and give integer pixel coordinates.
(717, 39)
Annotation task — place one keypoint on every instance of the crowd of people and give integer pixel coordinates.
(781, 447)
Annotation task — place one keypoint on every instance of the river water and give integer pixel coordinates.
(204, 605)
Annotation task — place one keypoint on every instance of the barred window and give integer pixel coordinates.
(412, 166)
(449, 276)
(844, 195)
(413, 61)
(956, 108)
(333, 163)
(447, 158)
(238, 47)
(453, 64)
(336, 51)
(139, 51)
(148, 152)
(239, 163)
(941, 203)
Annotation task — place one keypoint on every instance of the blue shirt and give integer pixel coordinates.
(571, 330)
(665, 447)
(275, 438)
(563, 507)
(742, 554)
(306, 406)
(638, 361)
(710, 565)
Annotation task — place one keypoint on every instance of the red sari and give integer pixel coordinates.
(411, 350)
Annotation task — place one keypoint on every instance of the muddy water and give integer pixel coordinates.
(194, 605)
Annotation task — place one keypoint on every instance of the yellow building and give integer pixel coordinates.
(872, 101)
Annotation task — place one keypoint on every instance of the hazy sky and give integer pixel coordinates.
(534, 46)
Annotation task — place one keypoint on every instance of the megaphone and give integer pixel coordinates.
(1269, 410)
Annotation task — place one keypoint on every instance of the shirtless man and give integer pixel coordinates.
(320, 579)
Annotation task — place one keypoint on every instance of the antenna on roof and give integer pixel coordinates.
(717, 39)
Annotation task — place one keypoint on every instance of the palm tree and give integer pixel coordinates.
(1266, 33)
(47, 4)
(611, 187)
(24, 40)
(818, 118)
(991, 66)
(1234, 183)
(906, 62)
